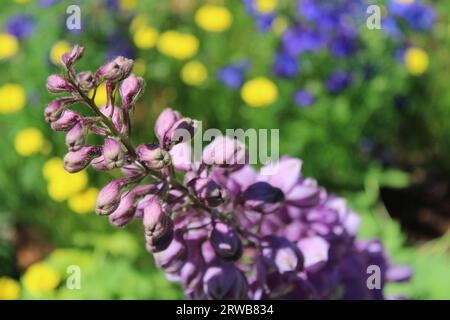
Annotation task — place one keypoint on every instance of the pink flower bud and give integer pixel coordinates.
(133, 170)
(226, 242)
(108, 198)
(225, 152)
(182, 131)
(158, 226)
(113, 114)
(153, 155)
(115, 70)
(69, 58)
(86, 80)
(125, 211)
(58, 84)
(99, 164)
(75, 161)
(130, 90)
(113, 153)
(181, 155)
(67, 120)
(76, 137)
(165, 121)
(54, 109)
(207, 191)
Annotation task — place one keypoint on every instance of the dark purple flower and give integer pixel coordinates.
(338, 81)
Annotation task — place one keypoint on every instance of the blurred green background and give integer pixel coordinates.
(382, 142)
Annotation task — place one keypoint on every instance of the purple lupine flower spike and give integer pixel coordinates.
(224, 230)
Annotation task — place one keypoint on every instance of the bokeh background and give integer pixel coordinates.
(368, 110)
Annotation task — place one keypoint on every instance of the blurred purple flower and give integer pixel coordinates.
(338, 81)
(20, 25)
(233, 75)
(304, 98)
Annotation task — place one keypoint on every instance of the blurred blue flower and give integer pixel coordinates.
(47, 3)
(233, 75)
(263, 20)
(338, 81)
(304, 98)
(298, 40)
(420, 17)
(344, 46)
(120, 45)
(20, 25)
(285, 65)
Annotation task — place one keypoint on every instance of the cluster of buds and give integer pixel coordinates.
(225, 231)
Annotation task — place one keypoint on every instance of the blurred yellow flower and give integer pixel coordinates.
(213, 18)
(12, 98)
(29, 141)
(416, 61)
(58, 49)
(139, 21)
(178, 45)
(9, 289)
(83, 202)
(8, 46)
(100, 96)
(61, 184)
(21, 1)
(259, 92)
(139, 67)
(404, 1)
(145, 37)
(40, 278)
(194, 73)
(266, 6)
(127, 4)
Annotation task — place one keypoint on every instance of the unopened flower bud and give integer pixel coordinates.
(69, 58)
(282, 254)
(54, 109)
(173, 258)
(207, 191)
(86, 80)
(226, 242)
(108, 198)
(158, 226)
(125, 211)
(75, 161)
(225, 152)
(58, 84)
(165, 121)
(262, 197)
(133, 170)
(130, 90)
(225, 282)
(76, 137)
(67, 120)
(115, 70)
(113, 153)
(99, 164)
(182, 131)
(153, 155)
